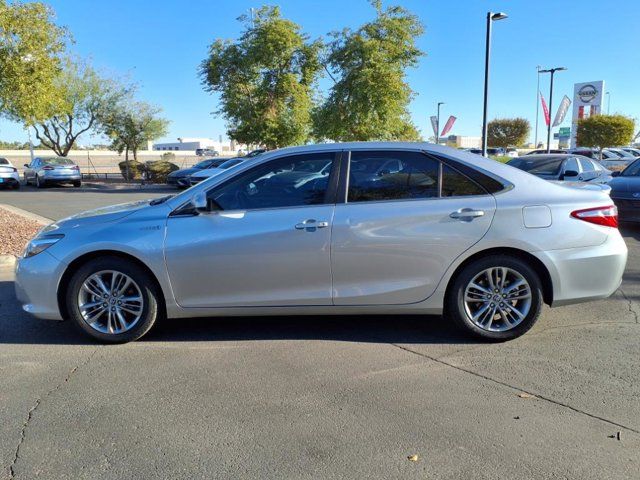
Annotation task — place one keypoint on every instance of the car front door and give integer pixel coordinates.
(394, 237)
(30, 169)
(266, 241)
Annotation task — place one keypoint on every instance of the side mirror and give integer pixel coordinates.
(616, 174)
(570, 173)
(200, 203)
(26, 165)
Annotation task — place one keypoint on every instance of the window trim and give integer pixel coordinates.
(343, 190)
(330, 197)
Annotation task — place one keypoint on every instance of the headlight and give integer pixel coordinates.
(40, 244)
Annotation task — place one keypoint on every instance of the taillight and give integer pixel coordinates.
(605, 216)
(75, 167)
(48, 168)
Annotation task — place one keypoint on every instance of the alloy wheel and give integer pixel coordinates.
(497, 299)
(110, 302)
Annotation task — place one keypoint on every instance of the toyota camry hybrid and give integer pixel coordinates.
(355, 228)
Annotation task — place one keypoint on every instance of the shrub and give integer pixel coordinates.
(168, 157)
(157, 172)
(135, 169)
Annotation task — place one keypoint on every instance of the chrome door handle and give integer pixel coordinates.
(466, 214)
(311, 225)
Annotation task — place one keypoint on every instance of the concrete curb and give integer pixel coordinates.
(26, 214)
(7, 261)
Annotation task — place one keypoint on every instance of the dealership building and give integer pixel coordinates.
(192, 144)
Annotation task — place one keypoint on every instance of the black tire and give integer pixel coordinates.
(150, 294)
(455, 305)
(17, 186)
(77, 184)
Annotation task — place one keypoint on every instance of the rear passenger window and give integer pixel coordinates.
(454, 184)
(376, 176)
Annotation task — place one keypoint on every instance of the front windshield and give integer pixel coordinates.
(230, 163)
(545, 166)
(632, 170)
(57, 161)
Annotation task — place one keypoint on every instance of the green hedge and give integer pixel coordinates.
(157, 172)
(135, 170)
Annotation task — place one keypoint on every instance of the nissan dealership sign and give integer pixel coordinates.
(587, 101)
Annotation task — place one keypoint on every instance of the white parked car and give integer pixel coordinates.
(212, 172)
(9, 177)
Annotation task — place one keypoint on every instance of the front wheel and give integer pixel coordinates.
(77, 184)
(112, 300)
(495, 298)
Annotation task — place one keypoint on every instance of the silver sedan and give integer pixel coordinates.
(388, 228)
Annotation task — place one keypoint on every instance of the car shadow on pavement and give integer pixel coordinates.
(17, 327)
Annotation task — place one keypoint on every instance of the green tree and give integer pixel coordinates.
(31, 52)
(603, 131)
(265, 80)
(369, 98)
(507, 132)
(130, 125)
(84, 101)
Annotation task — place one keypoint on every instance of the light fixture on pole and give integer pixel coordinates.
(552, 71)
(438, 124)
(491, 17)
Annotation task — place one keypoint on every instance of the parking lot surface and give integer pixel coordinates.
(323, 397)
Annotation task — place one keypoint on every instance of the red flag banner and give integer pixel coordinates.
(545, 109)
(448, 125)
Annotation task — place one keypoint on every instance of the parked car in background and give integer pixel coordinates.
(625, 192)
(544, 151)
(43, 171)
(632, 150)
(255, 153)
(9, 176)
(563, 167)
(512, 152)
(180, 178)
(212, 172)
(485, 243)
(622, 153)
(609, 157)
(207, 152)
(492, 151)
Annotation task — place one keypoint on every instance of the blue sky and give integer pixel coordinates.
(160, 43)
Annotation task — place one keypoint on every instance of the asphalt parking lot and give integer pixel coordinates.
(314, 397)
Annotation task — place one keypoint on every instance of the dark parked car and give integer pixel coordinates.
(544, 151)
(625, 192)
(563, 166)
(180, 178)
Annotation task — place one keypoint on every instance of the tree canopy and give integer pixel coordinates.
(603, 131)
(369, 98)
(84, 100)
(508, 132)
(130, 125)
(265, 80)
(31, 56)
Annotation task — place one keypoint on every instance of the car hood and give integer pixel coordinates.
(185, 172)
(102, 215)
(625, 184)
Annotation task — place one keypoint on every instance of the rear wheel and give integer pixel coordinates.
(112, 300)
(495, 298)
(77, 184)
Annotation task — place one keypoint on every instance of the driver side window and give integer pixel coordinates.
(292, 181)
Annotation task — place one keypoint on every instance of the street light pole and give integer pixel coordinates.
(535, 144)
(552, 71)
(438, 124)
(491, 17)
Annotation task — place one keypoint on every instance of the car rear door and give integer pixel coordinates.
(395, 236)
(267, 242)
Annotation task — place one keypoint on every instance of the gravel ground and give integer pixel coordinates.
(15, 232)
